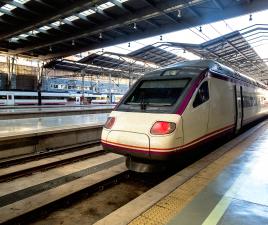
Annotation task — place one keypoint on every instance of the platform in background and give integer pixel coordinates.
(33, 135)
(34, 112)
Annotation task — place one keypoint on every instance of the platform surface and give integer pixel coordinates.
(233, 190)
(19, 127)
(43, 109)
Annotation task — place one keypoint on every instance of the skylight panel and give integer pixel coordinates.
(1, 14)
(87, 12)
(105, 6)
(33, 32)
(45, 28)
(21, 1)
(8, 7)
(122, 1)
(57, 23)
(14, 39)
(23, 35)
(72, 18)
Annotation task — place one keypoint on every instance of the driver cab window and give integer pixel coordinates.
(202, 95)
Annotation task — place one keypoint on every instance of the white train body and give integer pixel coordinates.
(213, 100)
(52, 98)
(31, 98)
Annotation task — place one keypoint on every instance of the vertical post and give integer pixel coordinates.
(11, 77)
(39, 83)
(12, 74)
(8, 85)
(110, 88)
(83, 87)
(130, 81)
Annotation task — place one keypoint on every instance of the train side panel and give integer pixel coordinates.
(253, 103)
(222, 105)
(195, 119)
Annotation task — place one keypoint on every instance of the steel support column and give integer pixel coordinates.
(39, 83)
(83, 87)
(11, 76)
(110, 88)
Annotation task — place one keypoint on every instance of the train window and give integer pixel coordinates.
(3, 97)
(25, 97)
(170, 73)
(202, 95)
(157, 92)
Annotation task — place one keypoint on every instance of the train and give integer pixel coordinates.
(54, 98)
(179, 108)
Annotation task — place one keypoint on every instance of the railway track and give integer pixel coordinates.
(25, 197)
(15, 168)
(40, 155)
(56, 180)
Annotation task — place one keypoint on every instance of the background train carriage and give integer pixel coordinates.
(31, 98)
(181, 106)
(54, 98)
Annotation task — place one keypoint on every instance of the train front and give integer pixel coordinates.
(145, 126)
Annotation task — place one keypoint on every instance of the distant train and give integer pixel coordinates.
(180, 107)
(52, 98)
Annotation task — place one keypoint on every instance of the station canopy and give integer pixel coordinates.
(58, 28)
(235, 49)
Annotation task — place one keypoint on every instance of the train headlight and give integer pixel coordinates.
(161, 127)
(109, 123)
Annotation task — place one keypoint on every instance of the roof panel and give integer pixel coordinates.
(108, 17)
(156, 55)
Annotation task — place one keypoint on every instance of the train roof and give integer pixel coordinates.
(218, 68)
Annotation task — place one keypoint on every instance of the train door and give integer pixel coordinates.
(239, 107)
(10, 99)
(77, 100)
(195, 119)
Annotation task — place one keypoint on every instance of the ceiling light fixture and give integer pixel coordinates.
(135, 26)
(179, 13)
(250, 17)
(128, 44)
(100, 35)
(200, 29)
(50, 48)
(161, 38)
(73, 43)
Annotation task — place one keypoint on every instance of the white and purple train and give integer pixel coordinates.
(180, 107)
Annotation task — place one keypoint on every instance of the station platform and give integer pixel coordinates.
(229, 186)
(18, 128)
(20, 112)
(222, 193)
(53, 106)
(22, 136)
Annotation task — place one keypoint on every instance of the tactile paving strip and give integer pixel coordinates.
(141, 220)
(159, 214)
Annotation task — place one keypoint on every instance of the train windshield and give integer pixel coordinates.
(152, 94)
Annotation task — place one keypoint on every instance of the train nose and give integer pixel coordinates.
(143, 135)
(128, 143)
